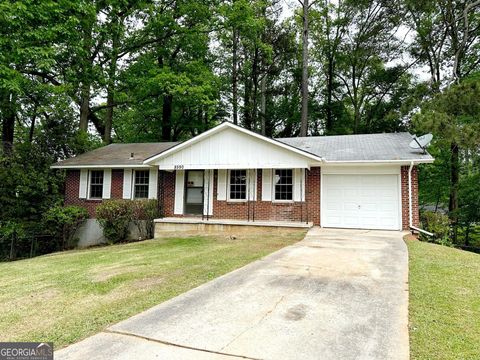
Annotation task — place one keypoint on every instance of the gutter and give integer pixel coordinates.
(140, 166)
(399, 162)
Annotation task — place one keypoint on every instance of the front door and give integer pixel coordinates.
(194, 192)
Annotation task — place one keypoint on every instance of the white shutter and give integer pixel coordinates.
(107, 183)
(179, 190)
(303, 184)
(127, 183)
(252, 184)
(267, 185)
(82, 191)
(152, 183)
(299, 185)
(208, 192)
(222, 185)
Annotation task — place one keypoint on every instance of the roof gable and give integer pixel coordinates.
(230, 146)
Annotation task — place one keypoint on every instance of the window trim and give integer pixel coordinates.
(274, 193)
(134, 172)
(89, 184)
(229, 190)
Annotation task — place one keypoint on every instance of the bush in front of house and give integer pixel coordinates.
(114, 217)
(144, 212)
(62, 222)
(438, 224)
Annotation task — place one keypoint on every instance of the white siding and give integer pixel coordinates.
(232, 149)
(107, 183)
(361, 169)
(267, 185)
(179, 190)
(127, 183)
(82, 191)
(152, 183)
(222, 185)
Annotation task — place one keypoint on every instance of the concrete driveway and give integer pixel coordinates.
(338, 294)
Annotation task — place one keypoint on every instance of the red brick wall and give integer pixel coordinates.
(257, 210)
(72, 185)
(405, 197)
(166, 192)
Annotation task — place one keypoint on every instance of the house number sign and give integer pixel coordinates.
(178, 167)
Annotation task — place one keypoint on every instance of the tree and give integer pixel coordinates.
(446, 37)
(453, 116)
(305, 31)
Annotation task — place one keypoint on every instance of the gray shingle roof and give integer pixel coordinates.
(373, 147)
(117, 155)
(393, 146)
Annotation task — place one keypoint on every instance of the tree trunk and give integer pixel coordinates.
(263, 103)
(32, 124)
(454, 176)
(86, 75)
(356, 110)
(84, 106)
(235, 75)
(247, 118)
(304, 114)
(107, 137)
(8, 123)
(255, 89)
(167, 117)
(329, 124)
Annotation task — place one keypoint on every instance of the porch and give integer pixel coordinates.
(197, 224)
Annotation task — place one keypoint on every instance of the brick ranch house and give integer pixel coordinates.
(230, 176)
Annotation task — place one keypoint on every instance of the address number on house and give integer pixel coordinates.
(178, 167)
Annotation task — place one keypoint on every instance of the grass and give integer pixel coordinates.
(444, 302)
(64, 297)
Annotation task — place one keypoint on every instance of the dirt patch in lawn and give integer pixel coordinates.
(148, 283)
(102, 274)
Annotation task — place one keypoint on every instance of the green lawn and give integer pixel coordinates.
(67, 296)
(444, 302)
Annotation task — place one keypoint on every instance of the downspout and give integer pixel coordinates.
(410, 211)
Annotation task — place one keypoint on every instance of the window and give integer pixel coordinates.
(283, 184)
(96, 184)
(238, 185)
(141, 184)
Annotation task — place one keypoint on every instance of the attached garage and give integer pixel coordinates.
(361, 200)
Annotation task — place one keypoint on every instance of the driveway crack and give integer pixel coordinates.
(258, 322)
(178, 345)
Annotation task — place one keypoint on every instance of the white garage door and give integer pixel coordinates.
(361, 201)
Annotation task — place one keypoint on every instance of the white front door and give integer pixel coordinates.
(361, 201)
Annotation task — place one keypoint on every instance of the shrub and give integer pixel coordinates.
(62, 222)
(12, 234)
(115, 216)
(438, 224)
(144, 212)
